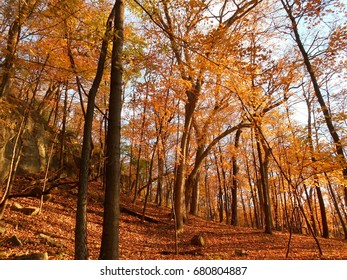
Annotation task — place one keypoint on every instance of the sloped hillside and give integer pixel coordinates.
(52, 232)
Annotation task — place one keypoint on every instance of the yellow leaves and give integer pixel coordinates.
(338, 39)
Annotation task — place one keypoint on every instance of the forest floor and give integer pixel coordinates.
(52, 231)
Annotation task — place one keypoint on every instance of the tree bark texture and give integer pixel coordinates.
(110, 233)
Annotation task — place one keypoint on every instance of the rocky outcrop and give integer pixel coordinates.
(35, 140)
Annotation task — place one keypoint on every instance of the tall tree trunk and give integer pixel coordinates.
(263, 167)
(110, 233)
(234, 214)
(325, 232)
(325, 110)
(81, 246)
(180, 206)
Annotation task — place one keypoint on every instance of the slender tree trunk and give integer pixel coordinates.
(275, 204)
(220, 193)
(234, 214)
(160, 191)
(253, 197)
(337, 209)
(325, 110)
(139, 154)
(209, 210)
(309, 202)
(110, 233)
(283, 208)
(223, 183)
(149, 182)
(325, 232)
(307, 221)
(81, 246)
(245, 218)
(63, 131)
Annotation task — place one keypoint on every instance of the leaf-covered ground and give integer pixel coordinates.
(146, 240)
